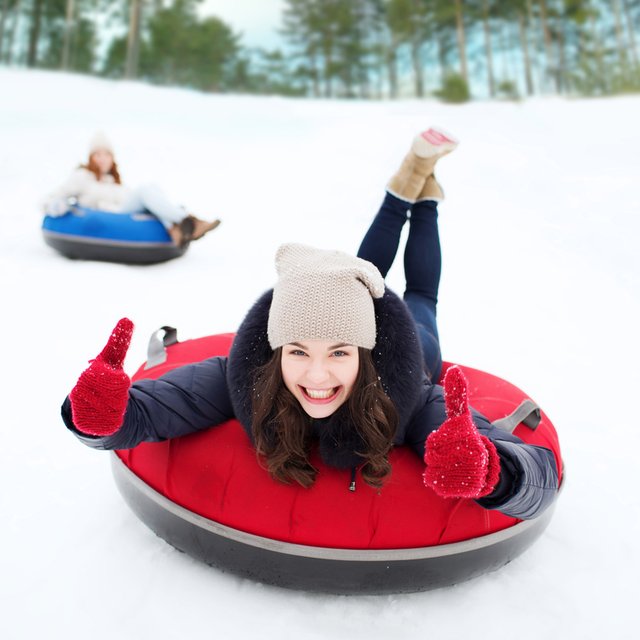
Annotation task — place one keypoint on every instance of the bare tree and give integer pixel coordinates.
(34, 32)
(632, 34)
(66, 41)
(486, 25)
(7, 55)
(526, 58)
(622, 51)
(133, 39)
(551, 64)
(462, 44)
(3, 22)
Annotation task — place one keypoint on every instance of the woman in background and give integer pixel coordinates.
(97, 185)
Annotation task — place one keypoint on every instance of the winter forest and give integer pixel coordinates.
(366, 49)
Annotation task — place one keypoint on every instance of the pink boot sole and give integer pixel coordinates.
(437, 137)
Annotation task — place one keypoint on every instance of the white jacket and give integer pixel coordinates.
(82, 184)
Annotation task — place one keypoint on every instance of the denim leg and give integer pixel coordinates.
(425, 316)
(151, 198)
(422, 261)
(380, 243)
(422, 267)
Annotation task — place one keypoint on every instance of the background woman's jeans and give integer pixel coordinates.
(422, 265)
(151, 198)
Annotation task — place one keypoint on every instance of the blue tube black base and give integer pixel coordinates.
(77, 248)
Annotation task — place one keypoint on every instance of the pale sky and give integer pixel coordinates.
(256, 20)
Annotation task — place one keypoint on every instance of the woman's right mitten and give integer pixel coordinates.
(99, 399)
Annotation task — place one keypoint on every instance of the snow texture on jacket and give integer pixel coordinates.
(204, 394)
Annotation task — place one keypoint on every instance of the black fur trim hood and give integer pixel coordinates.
(397, 357)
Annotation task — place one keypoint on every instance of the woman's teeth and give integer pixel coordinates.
(320, 394)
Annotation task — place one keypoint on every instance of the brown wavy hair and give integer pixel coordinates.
(93, 167)
(282, 429)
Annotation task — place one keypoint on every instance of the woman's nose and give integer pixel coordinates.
(318, 372)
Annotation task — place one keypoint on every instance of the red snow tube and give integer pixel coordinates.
(207, 495)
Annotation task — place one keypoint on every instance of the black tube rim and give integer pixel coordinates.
(126, 475)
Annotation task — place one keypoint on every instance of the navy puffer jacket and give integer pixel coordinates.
(204, 394)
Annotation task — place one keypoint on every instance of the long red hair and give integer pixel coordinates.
(93, 167)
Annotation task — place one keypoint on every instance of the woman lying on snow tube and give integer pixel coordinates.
(329, 374)
(94, 216)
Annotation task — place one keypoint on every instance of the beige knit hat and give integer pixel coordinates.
(100, 141)
(323, 295)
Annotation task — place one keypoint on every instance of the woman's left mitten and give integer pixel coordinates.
(99, 399)
(461, 463)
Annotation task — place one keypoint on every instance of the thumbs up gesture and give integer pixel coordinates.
(99, 399)
(461, 463)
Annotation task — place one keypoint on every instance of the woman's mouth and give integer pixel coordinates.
(320, 396)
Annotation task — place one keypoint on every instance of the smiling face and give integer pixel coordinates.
(320, 374)
(102, 159)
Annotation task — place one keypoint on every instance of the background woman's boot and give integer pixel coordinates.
(182, 233)
(201, 227)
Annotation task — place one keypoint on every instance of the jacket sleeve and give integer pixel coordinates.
(528, 473)
(185, 400)
(56, 201)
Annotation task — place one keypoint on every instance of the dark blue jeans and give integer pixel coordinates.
(422, 265)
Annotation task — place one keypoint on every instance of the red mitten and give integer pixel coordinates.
(99, 399)
(461, 463)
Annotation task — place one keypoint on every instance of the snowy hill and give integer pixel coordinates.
(540, 286)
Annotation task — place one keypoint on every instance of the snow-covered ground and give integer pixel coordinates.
(540, 286)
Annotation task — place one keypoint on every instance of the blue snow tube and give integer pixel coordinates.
(136, 237)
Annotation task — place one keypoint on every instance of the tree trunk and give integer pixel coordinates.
(632, 34)
(3, 21)
(537, 45)
(417, 66)
(551, 66)
(66, 43)
(602, 75)
(133, 40)
(526, 59)
(8, 56)
(562, 65)
(622, 52)
(504, 48)
(34, 33)
(442, 58)
(328, 73)
(7, 49)
(316, 76)
(487, 46)
(462, 45)
(392, 67)
(379, 68)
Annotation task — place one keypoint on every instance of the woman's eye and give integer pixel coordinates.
(340, 354)
(297, 352)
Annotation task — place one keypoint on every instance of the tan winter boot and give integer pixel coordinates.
(431, 190)
(427, 148)
(181, 233)
(201, 227)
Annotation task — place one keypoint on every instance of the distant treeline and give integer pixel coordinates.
(341, 48)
